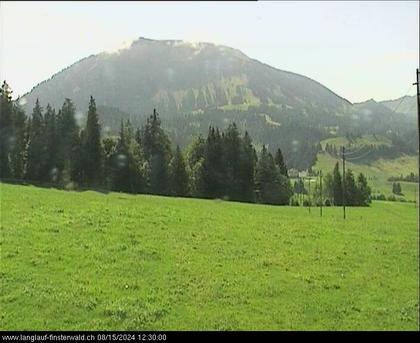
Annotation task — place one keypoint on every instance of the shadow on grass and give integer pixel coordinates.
(71, 186)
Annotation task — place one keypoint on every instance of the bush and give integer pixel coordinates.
(328, 203)
(307, 203)
(392, 198)
(294, 202)
(379, 197)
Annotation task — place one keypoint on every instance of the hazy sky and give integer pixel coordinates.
(359, 49)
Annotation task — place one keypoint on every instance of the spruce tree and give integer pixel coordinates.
(6, 129)
(248, 160)
(178, 174)
(213, 166)
(337, 186)
(18, 149)
(364, 191)
(232, 163)
(195, 153)
(399, 190)
(195, 150)
(138, 165)
(124, 162)
(36, 158)
(157, 153)
(109, 145)
(121, 176)
(272, 187)
(351, 189)
(77, 171)
(69, 147)
(93, 153)
(278, 159)
(328, 187)
(53, 140)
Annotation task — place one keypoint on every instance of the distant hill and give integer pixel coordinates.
(194, 85)
(404, 105)
(177, 76)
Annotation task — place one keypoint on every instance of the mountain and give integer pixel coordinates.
(194, 85)
(179, 76)
(404, 105)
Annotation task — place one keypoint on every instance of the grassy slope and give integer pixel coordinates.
(358, 142)
(87, 260)
(377, 172)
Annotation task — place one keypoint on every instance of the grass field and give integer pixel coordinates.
(86, 260)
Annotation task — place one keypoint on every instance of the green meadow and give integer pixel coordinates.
(92, 261)
(378, 172)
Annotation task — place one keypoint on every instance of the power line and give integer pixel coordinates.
(402, 99)
(360, 149)
(360, 156)
(344, 182)
(320, 185)
(411, 108)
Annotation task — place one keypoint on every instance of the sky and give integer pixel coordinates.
(358, 49)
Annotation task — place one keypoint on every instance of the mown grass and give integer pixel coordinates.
(85, 260)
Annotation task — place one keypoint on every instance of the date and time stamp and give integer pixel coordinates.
(144, 337)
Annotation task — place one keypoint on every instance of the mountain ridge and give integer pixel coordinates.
(176, 43)
(197, 84)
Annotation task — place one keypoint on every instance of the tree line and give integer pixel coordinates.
(356, 190)
(408, 178)
(396, 188)
(50, 147)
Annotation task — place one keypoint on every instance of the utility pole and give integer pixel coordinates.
(320, 186)
(301, 192)
(344, 182)
(418, 127)
(418, 123)
(309, 194)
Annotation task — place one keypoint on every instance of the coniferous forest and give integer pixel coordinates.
(51, 147)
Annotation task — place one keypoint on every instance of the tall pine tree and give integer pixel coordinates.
(36, 159)
(278, 159)
(246, 175)
(213, 166)
(157, 152)
(6, 129)
(351, 189)
(93, 154)
(337, 186)
(68, 156)
(232, 163)
(18, 149)
(364, 191)
(178, 174)
(53, 140)
(272, 187)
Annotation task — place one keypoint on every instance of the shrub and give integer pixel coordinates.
(294, 202)
(380, 197)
